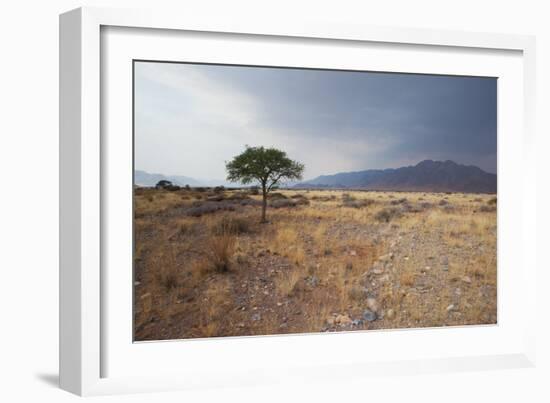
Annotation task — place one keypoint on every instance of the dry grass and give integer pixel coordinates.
(221, 248)
(223, 273)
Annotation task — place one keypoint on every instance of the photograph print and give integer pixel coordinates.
(274, 200)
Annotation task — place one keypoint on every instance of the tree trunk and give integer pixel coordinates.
(264, 204)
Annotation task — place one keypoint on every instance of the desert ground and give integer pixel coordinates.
(327, 260)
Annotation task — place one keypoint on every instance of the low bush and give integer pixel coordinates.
(279, 203)
(238, 196)
(208, 207)
(488, 209)
(231, 225)
(300, 200)
(216, 197)
(220, 252)
(276, 196)
(398, 201)
(386, 215)
(250, 202)
(357, 203)
(426, 205)
(492, 201)
(323, 198)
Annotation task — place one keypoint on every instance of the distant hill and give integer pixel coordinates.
(428, 175)
(142, 178)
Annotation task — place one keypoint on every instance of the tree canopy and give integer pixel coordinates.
(265, 166)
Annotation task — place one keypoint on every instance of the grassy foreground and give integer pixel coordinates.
(327, 261)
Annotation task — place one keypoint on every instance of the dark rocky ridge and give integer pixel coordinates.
(428, 175)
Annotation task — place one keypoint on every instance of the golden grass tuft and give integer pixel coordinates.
(220, 250)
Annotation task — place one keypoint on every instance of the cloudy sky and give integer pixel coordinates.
(190, 119)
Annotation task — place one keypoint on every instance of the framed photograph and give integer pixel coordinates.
(245, 201)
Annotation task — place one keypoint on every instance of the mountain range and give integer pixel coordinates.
(428, 175)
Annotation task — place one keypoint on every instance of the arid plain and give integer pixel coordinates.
(327, 260)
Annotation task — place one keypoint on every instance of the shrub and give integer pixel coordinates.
(354, 203)
(357, 293)
(215, 197)
(398, 201)
(208, 207)
(408, 208)
(276, 196)
(300, 200)
(323, 198)
(250, 202)
(238, 196)
(347, 197)
(443, 202)
(278, 203)
(492, 201)
(231, 225)
(487, 209)
(188, 228)
(167, 274)
(220, 251)
(387, 214)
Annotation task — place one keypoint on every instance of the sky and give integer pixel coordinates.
(190, 119)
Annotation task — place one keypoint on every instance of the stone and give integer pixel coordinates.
(312, 281)
(369, 316)
(385, 258)
(343, 320)
(240, 324)
(467, 280)
(444, 260)
(357, 322)
(256, 317)
(137, 283)
(373, 305)
(390, 314)
(377, 268)
(445, 268)
(451, 308)
(279, 304)
(352, 253)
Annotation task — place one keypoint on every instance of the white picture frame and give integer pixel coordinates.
(86, 346)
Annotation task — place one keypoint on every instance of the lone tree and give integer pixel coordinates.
(265, 166)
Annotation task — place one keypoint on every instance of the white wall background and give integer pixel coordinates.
(29, 201)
